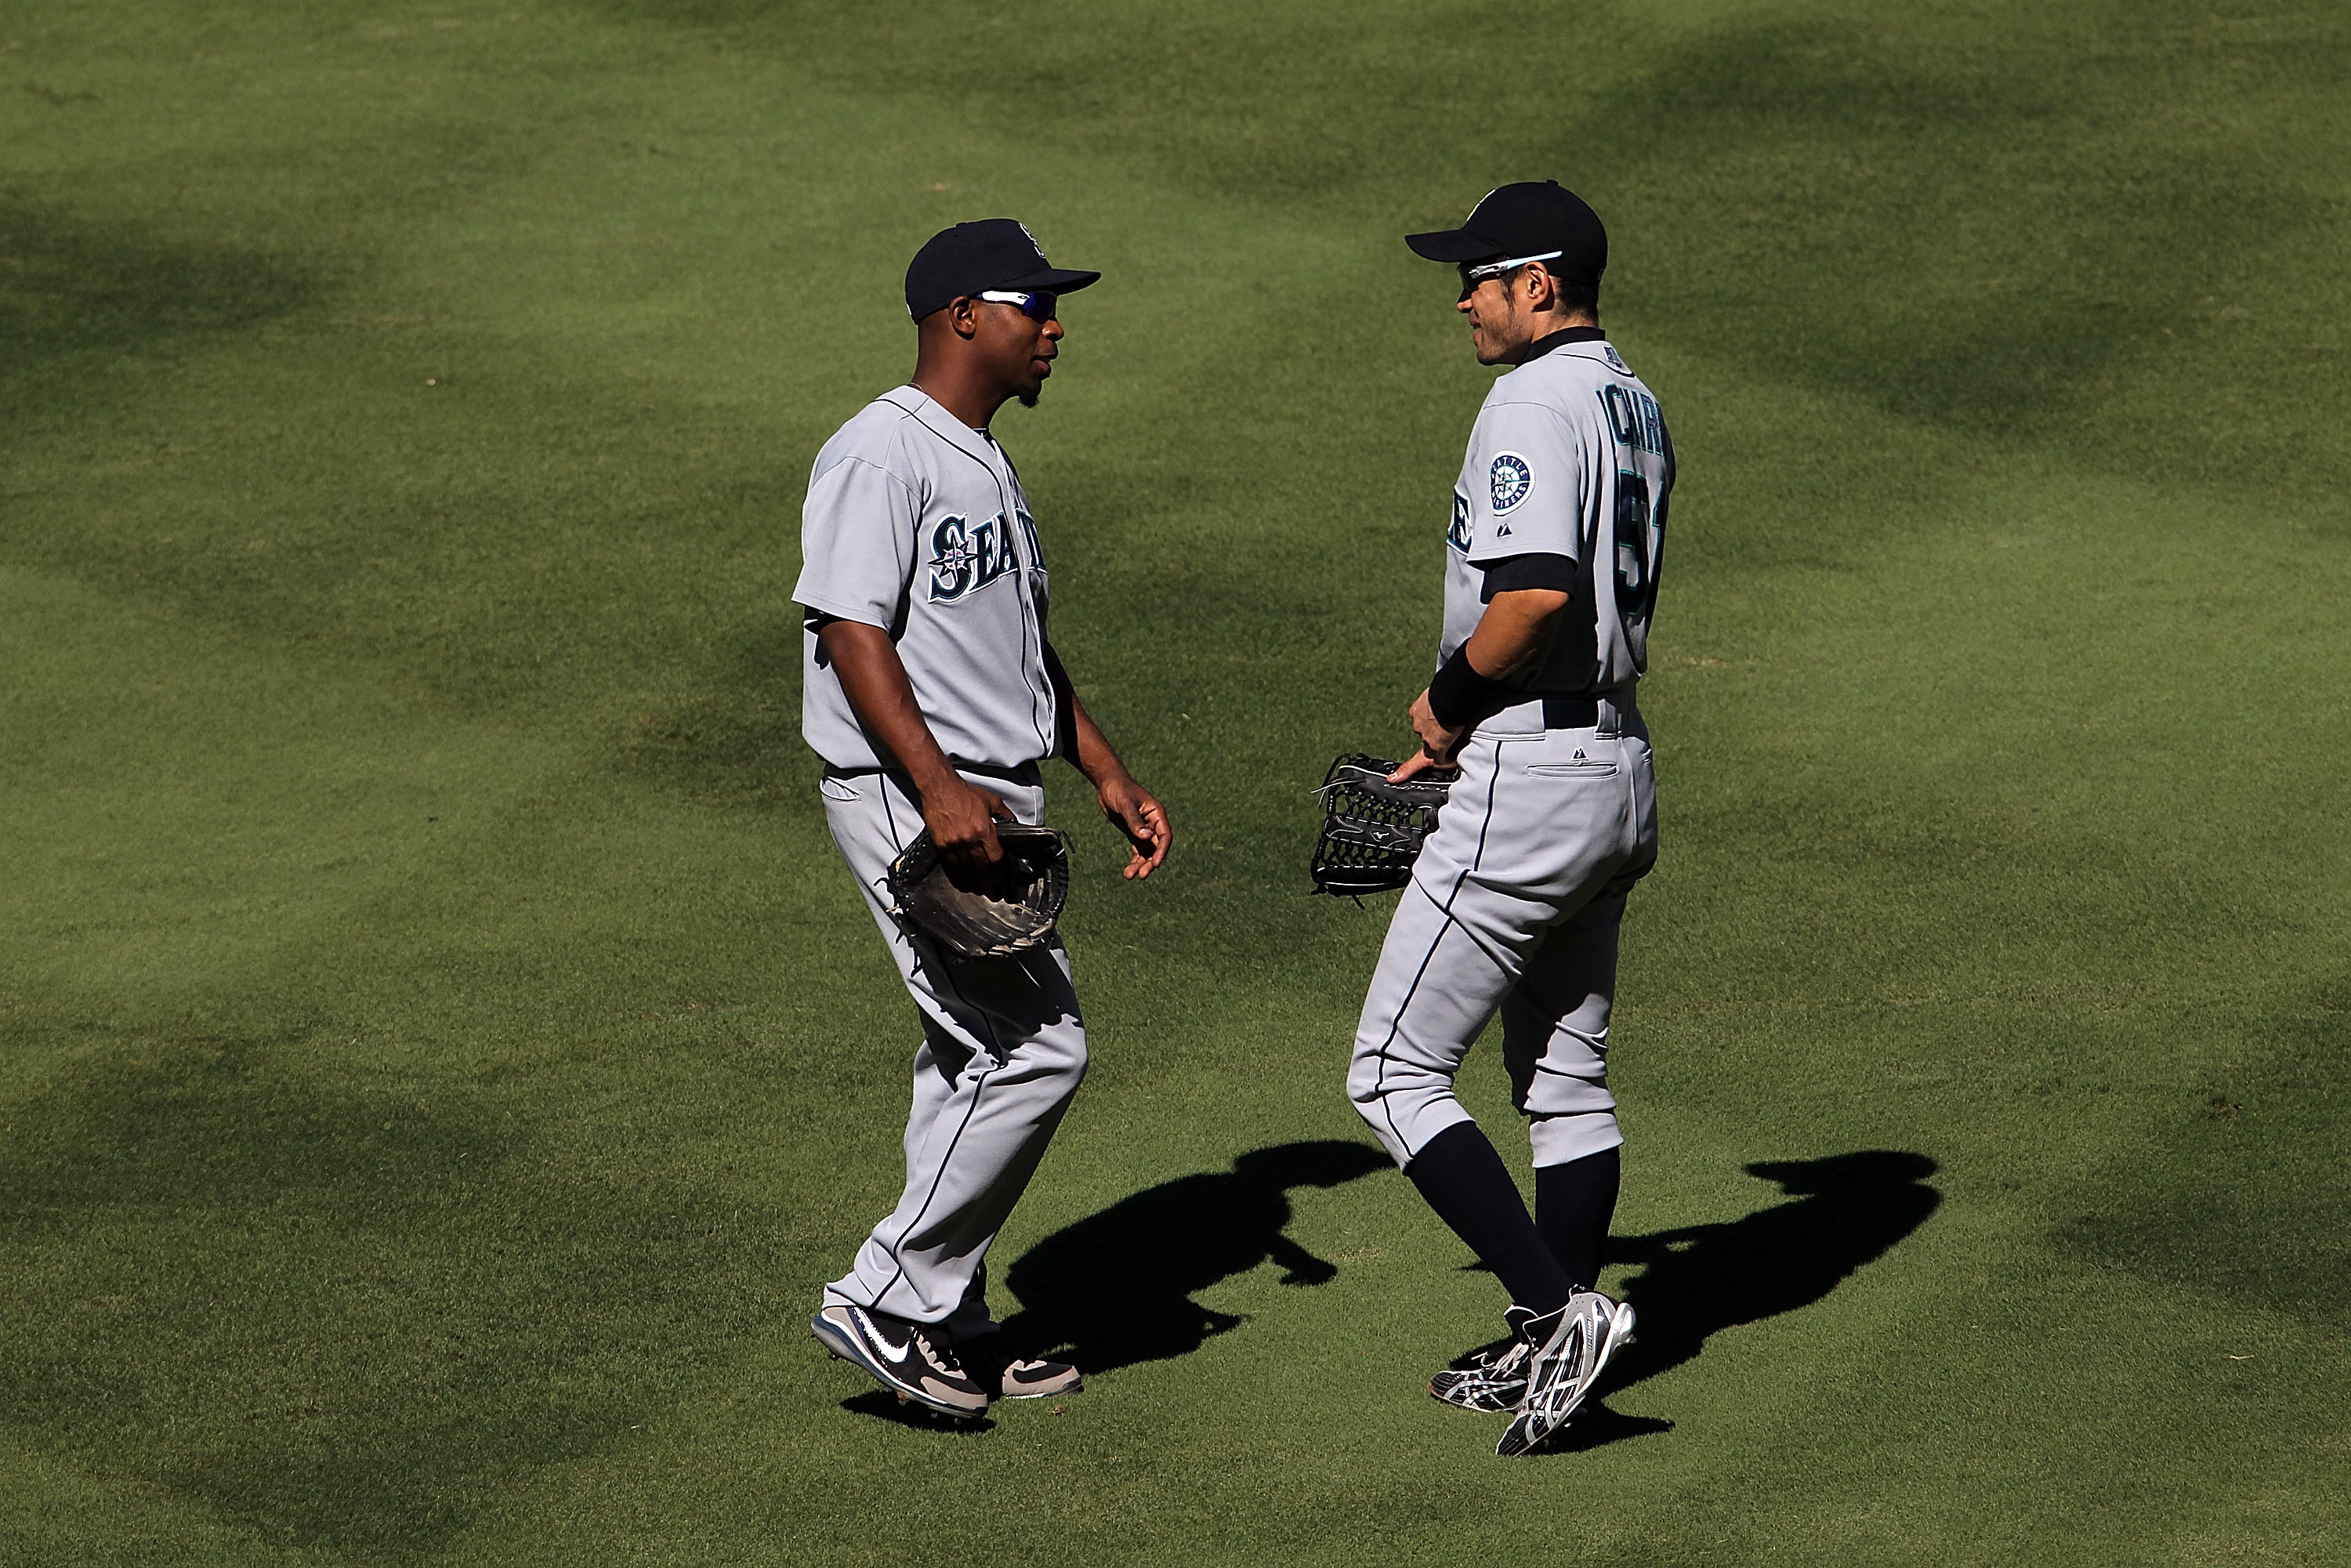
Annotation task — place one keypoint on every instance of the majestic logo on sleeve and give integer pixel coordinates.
(967, 557)
(1509, 479)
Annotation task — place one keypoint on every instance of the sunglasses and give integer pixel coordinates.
(1038, 306)
(1475, 273)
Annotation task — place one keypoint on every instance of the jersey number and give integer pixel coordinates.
(1640, 547)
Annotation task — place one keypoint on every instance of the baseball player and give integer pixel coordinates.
(1550, 572)
(932, 691)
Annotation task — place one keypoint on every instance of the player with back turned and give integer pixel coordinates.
(1552, 558)
(932, 691)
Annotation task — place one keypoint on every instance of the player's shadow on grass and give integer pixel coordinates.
(884, 1405)
(1849, 1210)
(1117, 1288)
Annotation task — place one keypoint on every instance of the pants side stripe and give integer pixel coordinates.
(1379, 1082)
(890, 816)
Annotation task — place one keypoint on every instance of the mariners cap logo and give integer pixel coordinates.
(1509, 480)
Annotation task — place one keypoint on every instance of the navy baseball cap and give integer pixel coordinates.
(992, 253)
(1534, 220)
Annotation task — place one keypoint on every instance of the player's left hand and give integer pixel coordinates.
(1436, 742)
(1137, 813)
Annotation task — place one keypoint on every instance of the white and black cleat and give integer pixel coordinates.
(1496, 1379)
(1581, 1337)
(1005, 1376)
(903, 1357)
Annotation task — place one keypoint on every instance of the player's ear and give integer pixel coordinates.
(962, 316)
(1542, 289)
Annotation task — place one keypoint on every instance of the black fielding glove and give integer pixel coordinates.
(1373, 830)
(990, 911)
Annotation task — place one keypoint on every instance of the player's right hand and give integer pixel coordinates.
(962, 820)
(1437, 743)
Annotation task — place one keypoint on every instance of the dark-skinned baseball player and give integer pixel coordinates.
(933, 693)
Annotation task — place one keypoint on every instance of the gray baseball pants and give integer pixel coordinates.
(1003, 1051)
(1514, 906)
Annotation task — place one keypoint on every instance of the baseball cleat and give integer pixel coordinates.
(1583, 1334)
(1007, 1377)
(1495, 1380)
(903, 1357)
(1036, 1379)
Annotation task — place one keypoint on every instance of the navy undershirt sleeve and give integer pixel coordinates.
(1515, 573)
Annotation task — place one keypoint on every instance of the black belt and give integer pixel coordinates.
(1572, 712)
(1027, 774)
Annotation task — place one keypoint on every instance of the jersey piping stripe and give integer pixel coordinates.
(1379, 1082)
(1028, 607)
(869, 463)
(1012, 524)
(890, 816)
(1036, 563)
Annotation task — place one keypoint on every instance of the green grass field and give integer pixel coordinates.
(441, 1054)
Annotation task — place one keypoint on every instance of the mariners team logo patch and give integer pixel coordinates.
(1509, 479)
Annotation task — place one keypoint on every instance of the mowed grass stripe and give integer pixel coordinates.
(459, 1197)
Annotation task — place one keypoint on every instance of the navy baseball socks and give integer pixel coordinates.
(1573, 1203)
(1563, 1331)
(1466, 1181)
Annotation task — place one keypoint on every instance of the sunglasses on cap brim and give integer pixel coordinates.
(1037, 304)
(1474, 272)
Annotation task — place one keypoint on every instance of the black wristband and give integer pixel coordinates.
(1458, 695)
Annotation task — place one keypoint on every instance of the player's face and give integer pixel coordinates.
(1501, 317)
(1018, 349)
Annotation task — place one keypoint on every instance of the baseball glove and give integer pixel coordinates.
(1371, 830)
(988, 912)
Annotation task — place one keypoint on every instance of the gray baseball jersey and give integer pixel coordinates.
(1518, 893)
(1569, 458)
(916, 523)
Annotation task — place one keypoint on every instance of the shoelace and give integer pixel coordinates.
(1503, 1369)
(943, 1362)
